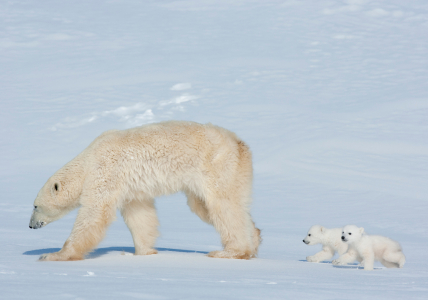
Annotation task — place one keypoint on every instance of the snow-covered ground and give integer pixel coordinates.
(331, 96)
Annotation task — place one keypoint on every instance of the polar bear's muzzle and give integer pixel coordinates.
(344, 239)
(37, 225)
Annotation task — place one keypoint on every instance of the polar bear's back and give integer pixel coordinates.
(381, 244)
(168, 134)
(170, 156)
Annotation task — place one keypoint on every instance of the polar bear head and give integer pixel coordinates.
(57, 197)
(315, 235)
(351, 233)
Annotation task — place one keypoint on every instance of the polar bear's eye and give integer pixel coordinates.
(309, 234)
(35, 206)
(56, 186)
(350, 233)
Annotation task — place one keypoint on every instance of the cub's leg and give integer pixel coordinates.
(388, 264)
(394, 259)
(347, 258)
(141, 219)
(368, 260)
(326, 253)
(89, 229)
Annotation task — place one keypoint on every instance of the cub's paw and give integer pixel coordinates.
(312, 259)
(338, 262)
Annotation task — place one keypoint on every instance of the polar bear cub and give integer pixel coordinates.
(330, 240)
(368, 248)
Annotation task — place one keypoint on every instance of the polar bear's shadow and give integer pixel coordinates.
(347, 266)
(321, 262)
(102, 251)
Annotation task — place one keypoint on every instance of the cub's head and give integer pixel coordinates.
(351, 233)
(56, 198)
(314, 235)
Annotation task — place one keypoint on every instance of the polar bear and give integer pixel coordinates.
(368, 248)
(330, 239)
(127, 169)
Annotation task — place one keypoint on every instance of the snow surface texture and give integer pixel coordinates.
(331, 96)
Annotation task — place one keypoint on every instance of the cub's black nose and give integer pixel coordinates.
(343, 237)
(304, 241)
(30, 227)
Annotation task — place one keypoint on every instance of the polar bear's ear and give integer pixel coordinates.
(361, 230)
(56, 187)
(322, 228)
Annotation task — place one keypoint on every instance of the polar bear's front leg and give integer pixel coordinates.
(346, 258)
(141, 219)
(66, 253)
(368, 261)
(326, 253)
(89, 229)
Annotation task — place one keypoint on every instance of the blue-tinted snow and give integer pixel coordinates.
(332, 97)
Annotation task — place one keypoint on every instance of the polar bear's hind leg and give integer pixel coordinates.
(388, 264)
(197, 205)
(234, 225)
(141, 219)
(395, 258)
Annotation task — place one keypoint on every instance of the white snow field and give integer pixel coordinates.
(331, 96)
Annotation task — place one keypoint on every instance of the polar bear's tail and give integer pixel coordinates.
(257, 239)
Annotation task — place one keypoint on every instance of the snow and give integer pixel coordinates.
(331, 96)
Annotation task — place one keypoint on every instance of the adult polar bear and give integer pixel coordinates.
(127, 169)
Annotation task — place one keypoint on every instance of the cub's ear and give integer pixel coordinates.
(322, 228)
(361, 230)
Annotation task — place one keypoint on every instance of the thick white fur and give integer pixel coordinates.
(368, 248)
(127, 169)
(330, 239)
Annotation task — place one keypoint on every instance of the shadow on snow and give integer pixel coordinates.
(321, 262)
(102, 251)
(348, 266)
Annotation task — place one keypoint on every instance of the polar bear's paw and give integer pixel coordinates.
(147, 251)
(57, 256)
(338, 262)
(312, 259)
(230, 254)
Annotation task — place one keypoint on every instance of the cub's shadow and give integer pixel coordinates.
(347, 266)
(321, 262)
(102, 251)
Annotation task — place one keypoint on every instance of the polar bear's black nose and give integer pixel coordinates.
(30, 227)
(343, 237)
